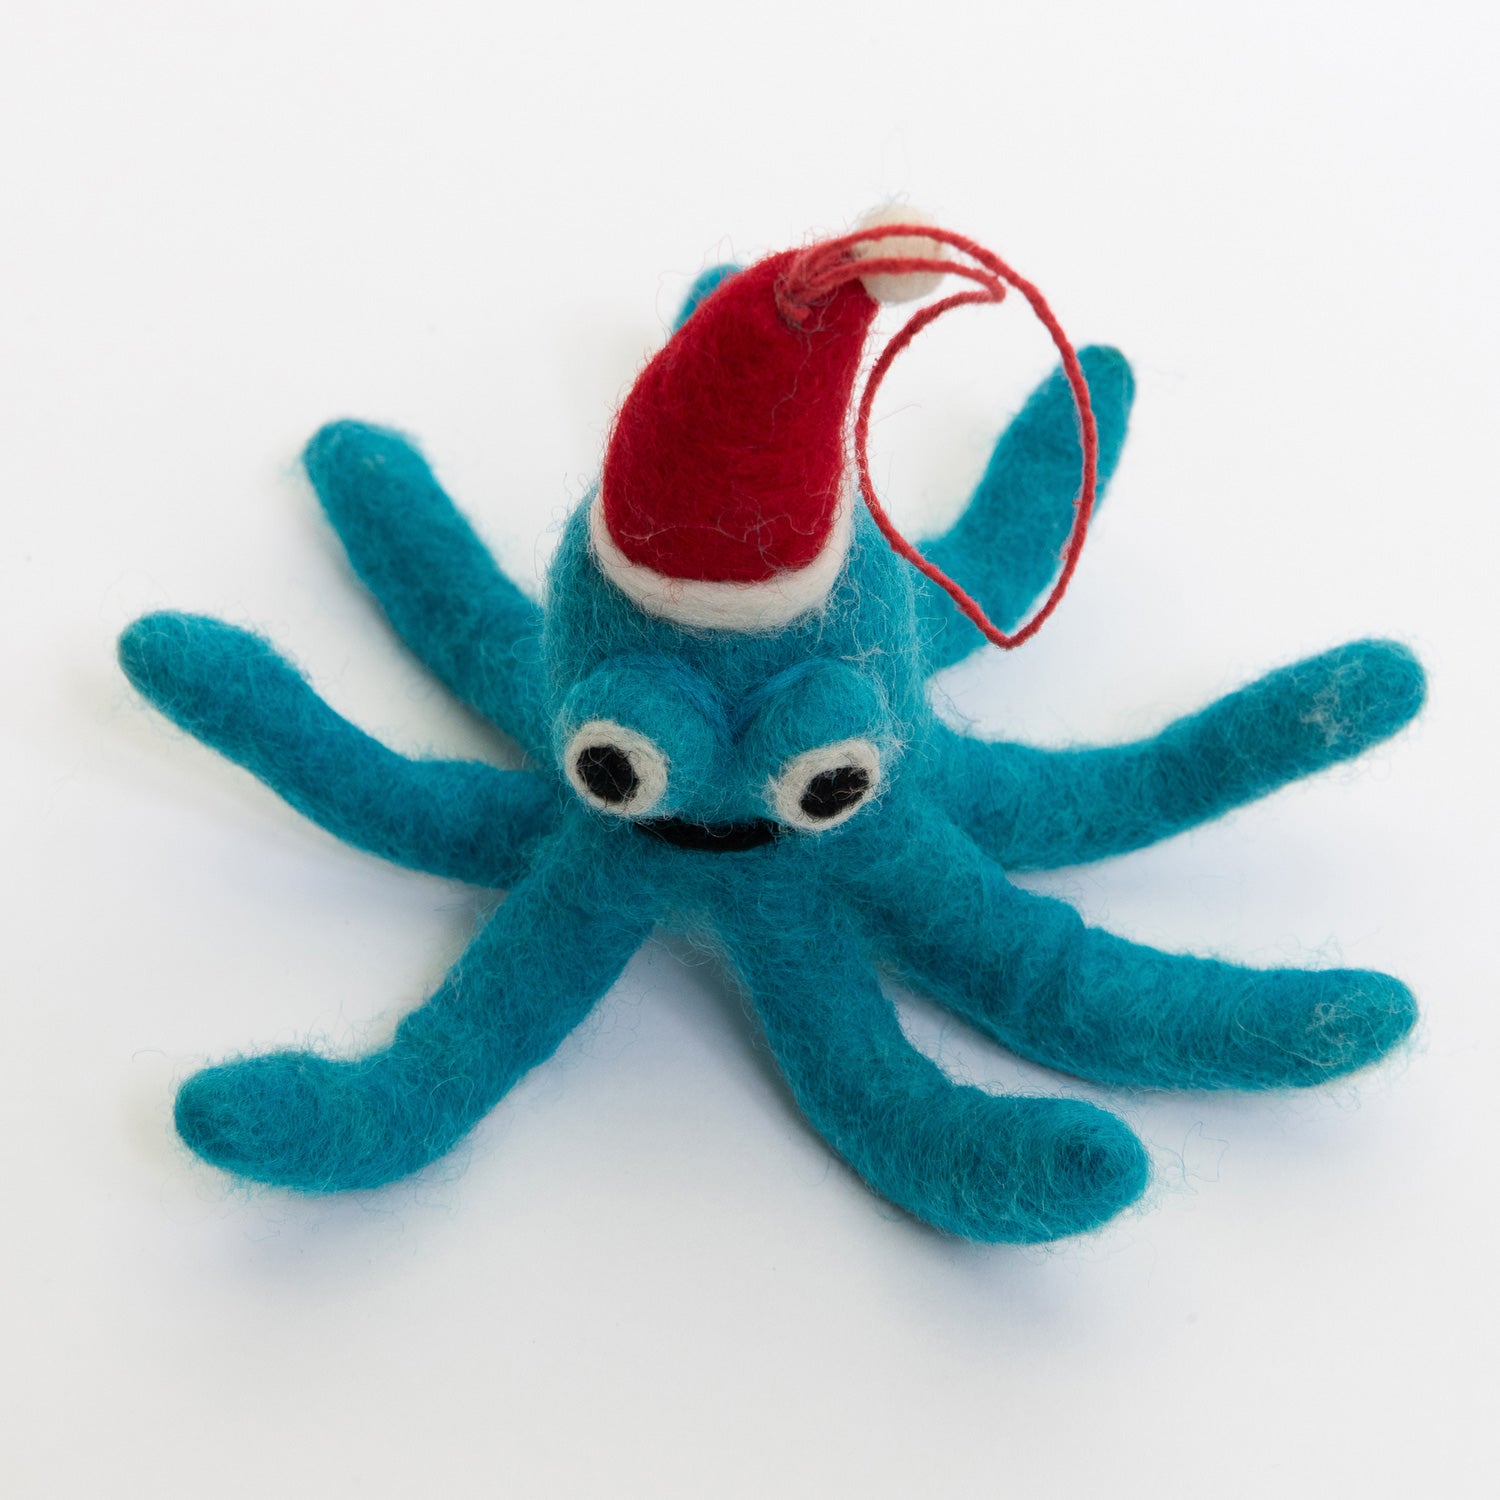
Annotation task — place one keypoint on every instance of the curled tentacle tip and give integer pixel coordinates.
(1375, 688)
(1065, 1168)
(1111, 383)
(1097, 1167)
(136, 647)
(1364, 1019)
(1302, 1028)
(1400, 677)
(193, 668)
(158, 651)
(346, 444)
(257, 1118)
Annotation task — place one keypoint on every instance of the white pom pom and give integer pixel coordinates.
(885, 288)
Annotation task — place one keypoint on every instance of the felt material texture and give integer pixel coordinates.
(320, 1124)
(229, 688)
(703, 283)
(1028, 971)
(458, 613)
(726, 462)
(805, 913)
(727, 604)
(1037, 809)
(1006, 547)
(988, 1167)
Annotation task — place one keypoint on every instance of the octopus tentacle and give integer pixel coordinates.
(459, 819)
(1006, 546)
(318, 1124)
(1040, 809)
(1020, 1170)
(438, 585)
(1027, 970)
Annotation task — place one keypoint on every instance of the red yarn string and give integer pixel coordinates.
(823, 268)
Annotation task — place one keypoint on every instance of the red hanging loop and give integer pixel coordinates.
(820, 270)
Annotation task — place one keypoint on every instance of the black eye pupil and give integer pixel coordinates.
(830, 792)
(606, 771)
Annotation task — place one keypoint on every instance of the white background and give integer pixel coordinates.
(224, 224)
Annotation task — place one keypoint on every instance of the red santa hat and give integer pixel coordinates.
(726, 496)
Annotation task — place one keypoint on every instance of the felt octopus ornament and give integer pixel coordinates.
(724, 705)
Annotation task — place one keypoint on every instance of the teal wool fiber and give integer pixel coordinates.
(788, 796)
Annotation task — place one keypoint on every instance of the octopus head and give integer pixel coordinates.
(730, 642)
(732, 740)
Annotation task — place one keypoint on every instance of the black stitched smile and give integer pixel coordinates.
(712, 838)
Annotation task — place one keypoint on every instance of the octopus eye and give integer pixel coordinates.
(822, 788)
(830, 792)
(615, 769)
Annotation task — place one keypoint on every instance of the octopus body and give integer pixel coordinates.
(792, 797)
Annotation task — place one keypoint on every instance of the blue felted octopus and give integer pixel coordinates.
(724, 704)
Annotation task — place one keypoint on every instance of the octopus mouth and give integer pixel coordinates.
(712, 838)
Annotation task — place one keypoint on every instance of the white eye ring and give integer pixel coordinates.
(847, 774)
(615, 769)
